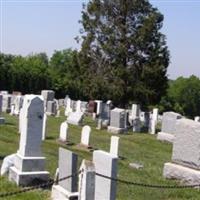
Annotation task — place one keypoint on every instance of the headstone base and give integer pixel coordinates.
(29, 164)
(50, 114)
(186, 175)
(112, 129)
(84, 147)
(27, 178)
(2, 120)
(166, 137)
(59, 193)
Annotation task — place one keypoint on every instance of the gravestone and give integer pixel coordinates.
(168, 126)
(87, 181)
(63, 132)
(6, 103)
(92, 107)
(75, 118)
(44, 127)
(99, 107)
(85, 136)
(105, 164)
(48, 95)
(67, 165)
(84, 105)
(78, 106)
(61, 102)
(12, 110)
(2, 119)
(146, 119)
(68, 108)
(51, 108)
(153, 121)
(18, 104)
(185, 165)
(197, 119)
(1, 103)
(29, 163)
(118, 121)
(114, 146)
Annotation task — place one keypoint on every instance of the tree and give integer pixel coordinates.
(123, 56)
(65, 73)
(184, 95)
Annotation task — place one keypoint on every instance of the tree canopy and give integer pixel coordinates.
(123, 52)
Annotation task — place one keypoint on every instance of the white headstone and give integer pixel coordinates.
(155, 114)
(105, 164)
(75, 118)
(78, 106)
(29, 163)
(64, 132)
(85, 135)
(68, 108)
(114, 145)
(44, 127)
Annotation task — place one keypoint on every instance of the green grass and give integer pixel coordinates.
(142, 148)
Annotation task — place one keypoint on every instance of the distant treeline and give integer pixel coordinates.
(62, 73)
(36, 72)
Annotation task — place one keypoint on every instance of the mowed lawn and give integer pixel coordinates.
(133, 147)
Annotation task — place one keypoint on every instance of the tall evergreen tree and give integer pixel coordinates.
(124, 55)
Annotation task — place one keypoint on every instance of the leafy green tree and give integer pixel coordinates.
(183, 96)
(26, 74)
(123, 56)
(65, 73)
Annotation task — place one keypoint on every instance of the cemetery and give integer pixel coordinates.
(99, 100)
(90, 153)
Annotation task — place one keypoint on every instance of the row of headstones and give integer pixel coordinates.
(85, 138)
(121, 120)
(116, 120)
(12, 103)
(28, 164)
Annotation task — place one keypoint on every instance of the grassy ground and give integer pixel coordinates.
(142, 148)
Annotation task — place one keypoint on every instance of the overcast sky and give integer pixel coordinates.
(33, 26)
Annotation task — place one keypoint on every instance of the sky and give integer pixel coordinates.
(34, 26)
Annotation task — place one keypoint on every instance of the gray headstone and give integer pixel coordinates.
(6, 104)
(48, 95)
(68, 166)
(186, 145)
(169, 121)
(118, 118)
(51, 108)
(1, 101)
(105, 164)
(87, 181)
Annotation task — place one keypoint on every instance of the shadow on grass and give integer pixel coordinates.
(2, 157)
(10, 124)
(50, 138)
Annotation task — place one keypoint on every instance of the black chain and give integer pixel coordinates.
(47, 184)
(51, 182)
(149, 185)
